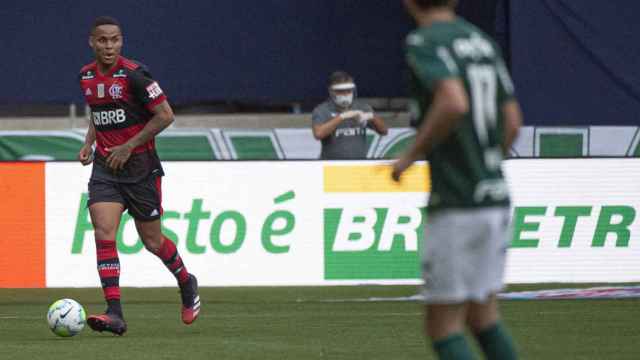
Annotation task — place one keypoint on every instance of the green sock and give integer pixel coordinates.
(496, 343)
(453, 347)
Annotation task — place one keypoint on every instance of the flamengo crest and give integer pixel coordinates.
(115, 91)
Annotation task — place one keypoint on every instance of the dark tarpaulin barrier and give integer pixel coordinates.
(200, 50)
(269, 52)
(576, 62)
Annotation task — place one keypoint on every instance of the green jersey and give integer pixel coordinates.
(465, 167)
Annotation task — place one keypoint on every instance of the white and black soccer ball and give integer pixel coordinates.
(66, 317)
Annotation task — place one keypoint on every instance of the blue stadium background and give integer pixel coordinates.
(574, 63)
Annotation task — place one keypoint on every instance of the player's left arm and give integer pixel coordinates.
(162, 118)
(450, 104)
(146, 90)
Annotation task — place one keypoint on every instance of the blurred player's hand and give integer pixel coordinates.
(399, 167)
(118, 156)
(85, 156)
(350, 114)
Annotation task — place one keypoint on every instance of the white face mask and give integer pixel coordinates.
(344, 100)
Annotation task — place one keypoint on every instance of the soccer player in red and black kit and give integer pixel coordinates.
(128, 108)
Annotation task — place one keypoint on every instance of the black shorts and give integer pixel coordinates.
(143, 199)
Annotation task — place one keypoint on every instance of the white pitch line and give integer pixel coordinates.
(417, 297)
(11, 317)
(257, 316)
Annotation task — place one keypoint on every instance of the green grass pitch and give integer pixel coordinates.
(295, 323)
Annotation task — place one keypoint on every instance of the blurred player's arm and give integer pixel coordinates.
(85, 156)
(512, 123)
(450, 103)
(508, 105)
(162, 118)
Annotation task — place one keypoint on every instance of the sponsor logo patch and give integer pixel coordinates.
(119, 74)
(383, 240)
(100, 89)
(109, 117)
(88, 92)
(154, 90)
(89, 75)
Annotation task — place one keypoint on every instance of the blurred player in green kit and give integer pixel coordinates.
(467, 117)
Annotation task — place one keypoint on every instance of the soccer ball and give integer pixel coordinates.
(66, 317)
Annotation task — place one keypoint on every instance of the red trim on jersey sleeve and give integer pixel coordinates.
(155, 102)
(88, 67)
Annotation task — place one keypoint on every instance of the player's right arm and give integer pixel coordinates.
(450, 103)
(435, 68)
(85, 156)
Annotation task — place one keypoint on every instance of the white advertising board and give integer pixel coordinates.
(248, 223)
(574, 220)
(323, 223)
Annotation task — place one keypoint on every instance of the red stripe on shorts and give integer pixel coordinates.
(159, 188)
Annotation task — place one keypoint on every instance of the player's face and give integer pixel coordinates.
(106, 42)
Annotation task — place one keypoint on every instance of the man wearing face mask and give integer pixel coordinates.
(341, 122)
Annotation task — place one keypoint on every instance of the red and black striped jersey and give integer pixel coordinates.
(121, 101)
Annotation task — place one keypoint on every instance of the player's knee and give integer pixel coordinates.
(152, 243)
(440, 330)
(432, 329)
(152, 248)
(105, 232)
(479, 321)
(437, 327)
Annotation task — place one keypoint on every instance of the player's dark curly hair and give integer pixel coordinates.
(104, 20)
(339, 77)
(425, 4)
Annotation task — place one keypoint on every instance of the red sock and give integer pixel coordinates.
(109, 269)
(172, 260)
